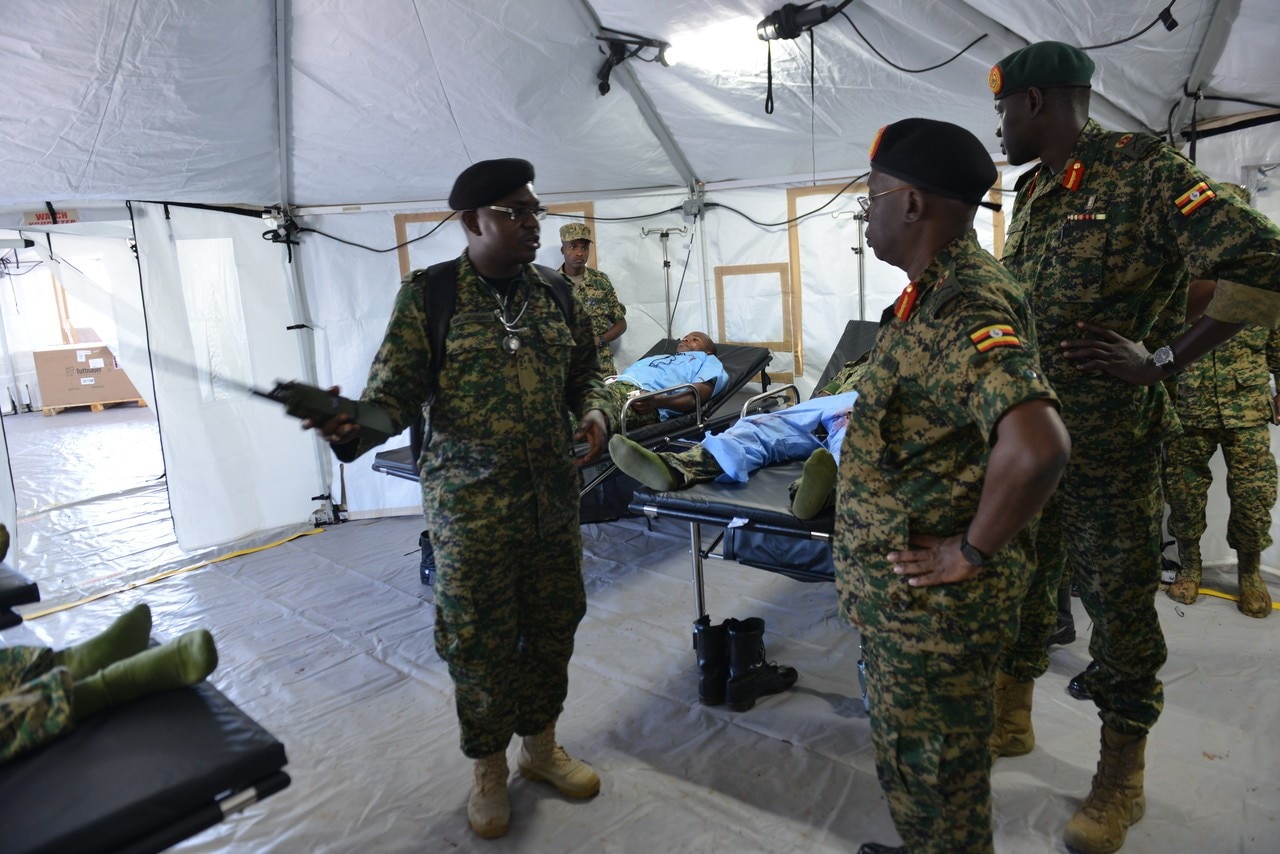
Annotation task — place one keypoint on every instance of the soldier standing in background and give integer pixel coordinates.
(950, 451)
(608, 316)
(1225, 400)
(499, 489)
(1106, 233)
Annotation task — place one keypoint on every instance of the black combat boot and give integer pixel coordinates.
(712, 645)
(1078, 687)
(750, 675)
(877, 848)
(427, 569)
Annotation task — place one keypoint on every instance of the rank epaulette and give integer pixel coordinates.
(944, 294)
(1135, 145)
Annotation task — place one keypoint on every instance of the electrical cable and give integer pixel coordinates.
(624, 218)
(1165, 17)
(796, 218)
(274, 235)
(895, 65)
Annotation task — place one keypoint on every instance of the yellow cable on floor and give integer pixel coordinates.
(1205, 591)
(167, 574)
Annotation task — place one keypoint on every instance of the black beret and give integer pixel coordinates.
(485, 182)
(1043, 65)
(938, 157)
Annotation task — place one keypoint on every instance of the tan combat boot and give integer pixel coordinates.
(544, 761)
(1115, 801)
(1255, 599)
(1012, 735)
(488, 809)
(1186, 587)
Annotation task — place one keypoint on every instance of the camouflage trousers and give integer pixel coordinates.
(35, 699)
(697, 464)
(931, 656)
(1251, 483)
(1104, 524)
(509, 597)
(605, 353)
(616, 395)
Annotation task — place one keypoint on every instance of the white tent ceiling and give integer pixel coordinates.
(179, 100)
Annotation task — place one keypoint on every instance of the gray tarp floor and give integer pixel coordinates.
(327, 642)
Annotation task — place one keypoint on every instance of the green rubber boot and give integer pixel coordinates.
(642, 464)
(813, 489)
(126, 637)
(183, 661)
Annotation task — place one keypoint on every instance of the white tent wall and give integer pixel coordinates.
(219, 305)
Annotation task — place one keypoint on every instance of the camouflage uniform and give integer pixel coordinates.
(598, 297)
(35, 699)
(913, 463)
(500, 496)
(1114, 240)
(1225, 400)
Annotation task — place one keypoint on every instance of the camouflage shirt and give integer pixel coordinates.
(935, 385)
(1114, 241)
(597, 295)
(500, 420)
(1231, 386)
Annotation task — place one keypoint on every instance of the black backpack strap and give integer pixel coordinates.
(439, 295)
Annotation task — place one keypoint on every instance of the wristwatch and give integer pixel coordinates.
(1163, 357)
(970, 553)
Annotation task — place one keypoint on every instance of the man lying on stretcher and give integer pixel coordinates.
(755, 442)
(694, 363)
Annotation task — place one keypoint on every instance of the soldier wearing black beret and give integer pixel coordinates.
(952, 448)
(1106, 232)
(499, 487)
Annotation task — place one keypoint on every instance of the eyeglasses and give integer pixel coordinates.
(864, 202)
(520, 213)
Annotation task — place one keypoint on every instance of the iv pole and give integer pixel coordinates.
(861, 251)
(663, 233)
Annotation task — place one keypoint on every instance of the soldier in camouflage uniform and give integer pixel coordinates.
(1106, 232)
(952, 448)
(44, 694)
(1225, 400)
(608, 316)
(499, 489)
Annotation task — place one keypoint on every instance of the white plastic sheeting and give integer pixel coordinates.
(327, 642)
(386, 102)
(219, 307)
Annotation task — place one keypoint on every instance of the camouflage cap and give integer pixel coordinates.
(1043, 65)
(485, 182)
(937, 157)
(575, 231)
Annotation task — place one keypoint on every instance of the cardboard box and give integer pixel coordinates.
(81, 375)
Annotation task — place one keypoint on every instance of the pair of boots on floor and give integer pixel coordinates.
(1115, 800)
(1255, 599)
(541, 760)
(732, 665)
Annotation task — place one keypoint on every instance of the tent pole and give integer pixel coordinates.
(1215, 40)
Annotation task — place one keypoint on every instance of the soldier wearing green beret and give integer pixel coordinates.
(951, 449)
(1225, 401)
(499, 489)
(608, 316)
(1107, 231)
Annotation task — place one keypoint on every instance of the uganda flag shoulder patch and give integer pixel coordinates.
(1195, 198)
(995, 335)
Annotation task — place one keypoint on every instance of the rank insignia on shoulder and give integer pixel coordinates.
(1195, 198)
(1124, 140)
(906, 302)
(1073, 175)
(995, 335)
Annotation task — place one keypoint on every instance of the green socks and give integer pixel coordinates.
(183, 661)
(813, 489)
(127, 636)
(642, 464)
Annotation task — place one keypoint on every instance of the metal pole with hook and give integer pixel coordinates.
(663, 233)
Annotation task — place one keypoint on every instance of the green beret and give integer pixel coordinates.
(938, 157)
(485, 182)
(575, 231)
(1043, 65)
